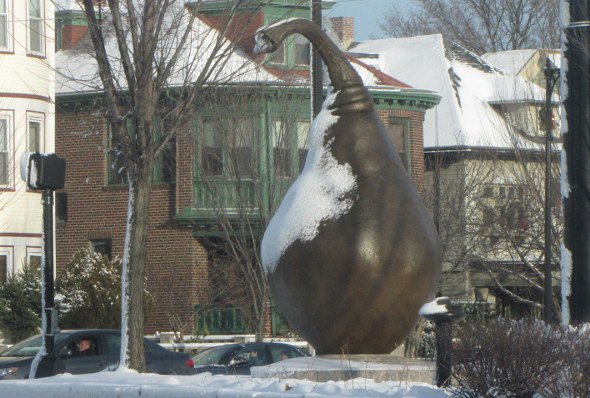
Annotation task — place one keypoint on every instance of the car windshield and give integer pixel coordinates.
(215, 356)
(29, 347)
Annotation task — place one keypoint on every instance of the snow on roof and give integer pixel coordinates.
(511, 61)
(469, 87)
(77, 68)
(67, 5)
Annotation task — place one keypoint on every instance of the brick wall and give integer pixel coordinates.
(177, 264)
(71, 34)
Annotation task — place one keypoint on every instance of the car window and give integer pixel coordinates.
(113, 345)
(282, 352)
(29, 347)
(86, 345)
(216, 356)
(255, 355)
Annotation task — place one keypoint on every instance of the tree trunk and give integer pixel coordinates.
(132, 324)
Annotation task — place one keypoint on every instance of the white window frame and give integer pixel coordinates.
(8, 252)
(35, 252)
(41, 33)
(7, 116)
(8, 26)
(33, 117)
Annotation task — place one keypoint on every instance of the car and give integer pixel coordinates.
(103, 353)
(237, 359)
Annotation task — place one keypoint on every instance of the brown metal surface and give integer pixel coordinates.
(357, 286)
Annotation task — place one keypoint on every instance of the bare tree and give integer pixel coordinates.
(480, 25)
(146, 51)
(244, 170)
(488, 204)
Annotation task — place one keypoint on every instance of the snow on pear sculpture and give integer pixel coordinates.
(351, 252)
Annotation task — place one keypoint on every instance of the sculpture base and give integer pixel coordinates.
(345, 367)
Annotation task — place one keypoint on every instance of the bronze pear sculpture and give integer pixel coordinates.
(351, 253)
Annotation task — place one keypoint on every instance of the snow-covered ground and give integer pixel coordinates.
(125, 384)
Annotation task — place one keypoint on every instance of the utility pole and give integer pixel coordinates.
(551, 78)
(317, 84)
(576, 187)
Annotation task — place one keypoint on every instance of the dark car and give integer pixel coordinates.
(103, 352)
(238, 358)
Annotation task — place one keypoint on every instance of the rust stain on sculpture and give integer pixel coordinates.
(351, 253)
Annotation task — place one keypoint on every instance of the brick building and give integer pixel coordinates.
(93, 204)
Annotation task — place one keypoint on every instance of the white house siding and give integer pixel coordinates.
(27, 87)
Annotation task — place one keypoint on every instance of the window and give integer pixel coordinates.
(290, 143)
(34, 144)
(227, 147)
(3, 267)
(34, 261)
(211, 150)
(293, 53)
(165, 167)
(102, 246)
(4, 29)
(281, 148)
(240, 142)
(36, 43)
(61, 207)
(302, 50)
(4, 149)
(279, 56)
(399, 130)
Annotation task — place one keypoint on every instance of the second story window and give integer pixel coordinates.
(4, 36)
(302, 50)
(34, 144)
(227, 147)
(290, 143)
(4, 150)
(36, 42)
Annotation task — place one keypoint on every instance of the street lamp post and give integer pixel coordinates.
(46, 172)
(551, 77)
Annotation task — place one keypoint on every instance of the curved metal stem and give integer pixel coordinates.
(342, 74)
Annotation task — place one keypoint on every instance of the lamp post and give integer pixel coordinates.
(443, 313)
(551, 78)
(46, 172)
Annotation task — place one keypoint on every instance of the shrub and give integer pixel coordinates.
(504, 358)
(575, 378)
(20, 303)
(89, 292)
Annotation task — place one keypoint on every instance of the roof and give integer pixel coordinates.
(77, 68)
(470, 87)
(513, 61)
(510, 61)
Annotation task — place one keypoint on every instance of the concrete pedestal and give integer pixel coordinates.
(345, 367)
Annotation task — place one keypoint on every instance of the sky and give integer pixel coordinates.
(367, 14)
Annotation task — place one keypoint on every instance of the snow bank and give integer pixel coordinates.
(129, 384)
(320, 193)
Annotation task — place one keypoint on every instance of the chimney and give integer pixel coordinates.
(343, 28)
